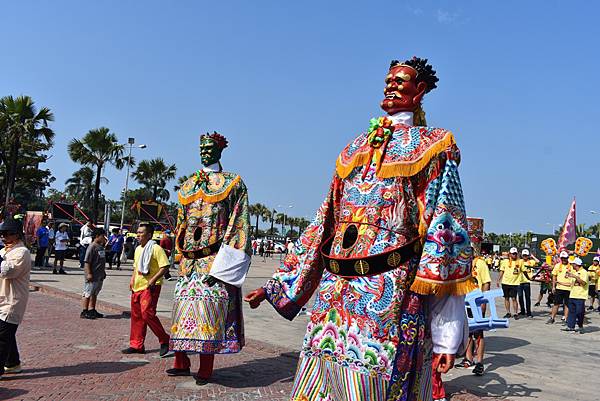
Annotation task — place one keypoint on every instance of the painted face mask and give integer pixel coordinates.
(211, 148)
(405, 85)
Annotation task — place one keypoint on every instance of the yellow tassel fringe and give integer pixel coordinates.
(401, 169)
(208, 198)
(439, 289)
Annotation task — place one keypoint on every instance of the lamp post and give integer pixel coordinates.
(284, 219)
(130, 141)
(597, 224)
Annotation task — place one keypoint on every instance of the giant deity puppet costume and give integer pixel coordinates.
(387, 258)
(213, 230)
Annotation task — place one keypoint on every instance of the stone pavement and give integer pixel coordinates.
(67, 358)
(528, 361)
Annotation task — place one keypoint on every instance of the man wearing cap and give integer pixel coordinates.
(577, 295)
(561, 286)
(61, 243)
(15, 267)
(510, 278)
(593, 271)
(529, 261)
(481, 275)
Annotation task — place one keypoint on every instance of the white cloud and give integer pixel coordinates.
(447, 17)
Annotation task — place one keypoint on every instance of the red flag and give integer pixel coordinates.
(569, 231)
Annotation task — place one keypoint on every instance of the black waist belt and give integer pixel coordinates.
(199, 253)
(368, 265)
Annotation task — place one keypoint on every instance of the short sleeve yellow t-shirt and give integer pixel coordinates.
(481, 272)
(157, 261)
(560, 270)
(512, 271)
(593, 274)
(527, 265)
(578, 290)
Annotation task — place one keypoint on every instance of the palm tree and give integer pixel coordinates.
(180, 181)
(293, 222)
(81, 186)
(302, 224)
(98, 148)
(280, 218)
(154, 175)
(21, 121)
(267, 215)
(258, 210)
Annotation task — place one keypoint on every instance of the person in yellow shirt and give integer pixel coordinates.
(593, 271)
(577, 296)
(150, 263)
(524, 291)
(561, 286)
(510, 278)
(481, 275)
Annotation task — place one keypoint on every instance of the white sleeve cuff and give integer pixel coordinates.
(230, 265)
(5, 267)
(449, 330)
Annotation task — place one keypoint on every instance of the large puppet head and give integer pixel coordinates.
(211, 147)
(406, 83)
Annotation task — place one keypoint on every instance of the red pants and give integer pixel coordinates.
(438, 386)
(143, 314)
(206, 364)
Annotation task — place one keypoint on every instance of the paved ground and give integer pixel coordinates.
(528, 361)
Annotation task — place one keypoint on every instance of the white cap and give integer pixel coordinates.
(577, 261)
(597, 259)
(513, 250)
(525, 252)
(564, 254)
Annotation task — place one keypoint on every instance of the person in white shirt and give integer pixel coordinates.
(60, 247)
(85, 239)
(15, 268)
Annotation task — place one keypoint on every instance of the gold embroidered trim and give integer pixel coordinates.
(209, 198)
(399, 169)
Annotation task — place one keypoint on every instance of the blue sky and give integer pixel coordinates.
(290, 83)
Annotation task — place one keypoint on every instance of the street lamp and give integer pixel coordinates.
(284, 218)
(130, 142)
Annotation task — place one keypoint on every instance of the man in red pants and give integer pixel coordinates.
(149, 265)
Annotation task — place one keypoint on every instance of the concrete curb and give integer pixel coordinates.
(46, 289)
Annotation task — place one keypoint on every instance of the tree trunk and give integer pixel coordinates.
(96, 194)
(256, 229)
(12, 172)
(272, 221)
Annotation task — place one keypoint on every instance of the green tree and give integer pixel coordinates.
(80, 187)
(258, 210)
(180, 181)
(302, 224)
(154, 175)
(21, 123)
(98, 148)
(281, 218)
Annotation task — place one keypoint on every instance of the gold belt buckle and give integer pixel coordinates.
(362, 267)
